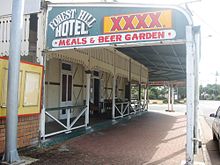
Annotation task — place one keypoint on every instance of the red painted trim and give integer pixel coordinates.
(41, 95)
(30, 63)
(32, 114)
(22, 115)
(4, 57)
(24, 62)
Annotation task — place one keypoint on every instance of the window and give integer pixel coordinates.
(32, 88)
(66, 66)
(64, 80)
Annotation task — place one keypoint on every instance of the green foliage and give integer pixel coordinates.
(182, 92)
(209, 92)
(165, 101)
(157, 93)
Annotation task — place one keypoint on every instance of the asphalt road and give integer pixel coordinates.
(206, 108)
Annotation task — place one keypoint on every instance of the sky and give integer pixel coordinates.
(205, 13)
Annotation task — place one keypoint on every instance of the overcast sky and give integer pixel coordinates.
(205, 13)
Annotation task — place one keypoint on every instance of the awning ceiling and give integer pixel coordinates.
(165, 62)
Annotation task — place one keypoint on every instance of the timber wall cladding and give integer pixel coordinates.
(5, 24)
(28, 131)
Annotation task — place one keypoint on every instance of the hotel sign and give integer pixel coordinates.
(73, 26)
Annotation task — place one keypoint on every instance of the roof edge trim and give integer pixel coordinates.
(115, 4)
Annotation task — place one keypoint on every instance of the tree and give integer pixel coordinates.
(210, 92)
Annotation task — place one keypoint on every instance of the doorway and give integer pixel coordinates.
(96, 92)
(66, 88)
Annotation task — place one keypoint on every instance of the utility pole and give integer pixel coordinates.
(11, 153)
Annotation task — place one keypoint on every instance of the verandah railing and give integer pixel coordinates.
(66, 124)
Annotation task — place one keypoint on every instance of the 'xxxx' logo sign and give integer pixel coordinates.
(138, 22)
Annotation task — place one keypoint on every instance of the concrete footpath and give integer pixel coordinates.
(210, 147)
(153, 138)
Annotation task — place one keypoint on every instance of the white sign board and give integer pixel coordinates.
(31, 6)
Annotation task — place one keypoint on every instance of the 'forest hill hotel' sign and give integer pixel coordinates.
(73, 26)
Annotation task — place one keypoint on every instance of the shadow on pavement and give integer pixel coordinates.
(212, 147)
(153, 138)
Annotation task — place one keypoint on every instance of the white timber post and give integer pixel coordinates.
(42, 59)
(88, 80)
(172, 97)
(145, 96)
(129, 84)
(42, 116)
(190, 76)
(139, 95)
(113, 96)
(68, 119)
(168, 97)
(148, 98)
(197, 48)
(140, 98)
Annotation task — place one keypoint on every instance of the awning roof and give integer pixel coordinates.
(165, 62)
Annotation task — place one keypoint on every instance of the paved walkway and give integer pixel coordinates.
(153, 138)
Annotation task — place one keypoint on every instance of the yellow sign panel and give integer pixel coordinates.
(138, 22)
(30, 85)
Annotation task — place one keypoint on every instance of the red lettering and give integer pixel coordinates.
(161, 34)
(155, 20)
(73, 42)
(116, 22)
(112, 38)
(118, 38)
(127, 37)
(109, 38)
(62, 43)
(141, 23)
(84, 41)
(142, 36)
(135, 36)
(101, 39)
(128, 20)
(68, 42)
(148, 35)
(154, 35)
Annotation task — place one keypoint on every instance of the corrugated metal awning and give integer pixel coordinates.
(165, 62)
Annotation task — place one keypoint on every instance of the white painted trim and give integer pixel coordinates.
(88, 80)
(113, 96)
(138, 44)
(114, 4)
(66, 103)
(190, 86)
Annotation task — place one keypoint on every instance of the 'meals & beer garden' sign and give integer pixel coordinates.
(74, 26)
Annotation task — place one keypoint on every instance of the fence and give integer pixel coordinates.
(67, 124)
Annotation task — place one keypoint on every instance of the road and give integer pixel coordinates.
(205, 109)
(208, 107)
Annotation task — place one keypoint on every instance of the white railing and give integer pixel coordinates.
(122, 109)
(68, 125)
(136, 106)
(5, 25)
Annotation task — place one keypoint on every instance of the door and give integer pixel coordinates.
(96, 92)
(66, 88)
